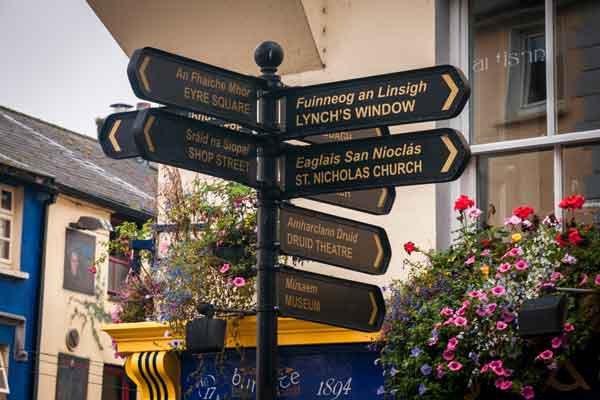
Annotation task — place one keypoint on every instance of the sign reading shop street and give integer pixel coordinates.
(438, 155)
(332, 301)
(426, 94)
(182, 142)
(333, 240)
(177, 81)
(373, 201)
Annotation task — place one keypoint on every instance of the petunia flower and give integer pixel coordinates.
(498, 291)
(555, 276)
(569, 327)
(545, 355)
(521, 264)
(238, 281)
(224, 268)
(447, 311)
(501, 325)
(556, 342)
(597, 280)
(448, 355)
(485, 253)
(470, 260)
(504, 267)
(583, 280)
(527, 392)
(452, 343)
(454, 366)
(460, 321)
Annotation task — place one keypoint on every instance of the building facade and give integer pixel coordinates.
(53, 227)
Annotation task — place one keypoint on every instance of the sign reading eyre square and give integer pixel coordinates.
(332, 301)
(427, 94)
(333, 240)
(438, 155)
(177, 81)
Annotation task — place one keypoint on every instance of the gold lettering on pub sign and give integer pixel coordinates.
(404, 159)
(209, 149)
(350, 105)
(200, 87)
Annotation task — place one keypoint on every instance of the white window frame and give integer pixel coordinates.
(456, 20)
(4, 352)
(9, 215)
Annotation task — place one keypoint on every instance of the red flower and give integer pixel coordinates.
(523, 212)
(92, 269)
(463, 203)
(409, 247)
(485, 242)
(572, 202)
(559, 240)
(574, 237)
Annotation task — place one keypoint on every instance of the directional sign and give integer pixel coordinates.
(438, 155)
(427, 94)
(373, 201)
(333, 240)
(332, 301)
(177, 81)
(182, 142)
(116, 136)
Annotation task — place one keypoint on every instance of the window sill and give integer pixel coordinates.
(11, 273)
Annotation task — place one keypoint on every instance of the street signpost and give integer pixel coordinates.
(427, 94)
(180, 82)
(333, 240)
(339, 302)
(438, 155)
(183, 142)
(352, 162)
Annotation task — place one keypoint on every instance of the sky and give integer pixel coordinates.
(59, 63)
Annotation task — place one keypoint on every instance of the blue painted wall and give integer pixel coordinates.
(20, 296)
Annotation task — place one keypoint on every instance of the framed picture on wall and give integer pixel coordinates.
(80, 251)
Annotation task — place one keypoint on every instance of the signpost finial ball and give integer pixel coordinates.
(268, 55)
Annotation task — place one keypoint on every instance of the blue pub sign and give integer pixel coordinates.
(327, 372)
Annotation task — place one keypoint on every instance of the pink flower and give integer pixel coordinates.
(446, 312)
(449, 321)
(238, 281)
(583, 280)
(498, 291)
(521, 265)
(597, 280)
(504, 267)
(505, 385)
(470, 260)
(500, 325)
(496, 364)
(545, 355)
(485, 253)
(224, 268)
(452, 343)
(481, 312)
(507, 316)
(555, 276)
(569, 259)
(460, 321)
(475, 294)
(508, 372)
(454, 366)
(512, 220)
(466, 303)
(440, 371)
(474, 212)
(485, 368)
(569, 327)
(92, 269)
(461, 311)
(556, 342)
(527, 392)
(448, 355)
(514, 252)
(491, 308)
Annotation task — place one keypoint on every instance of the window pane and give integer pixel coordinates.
(117, 273)
(581, 166)
(578, 64)
(4, 228)
(509, 181)
(6, 200)
(4, 249)
(508, 70)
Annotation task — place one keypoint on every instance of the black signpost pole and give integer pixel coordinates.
(268, 56)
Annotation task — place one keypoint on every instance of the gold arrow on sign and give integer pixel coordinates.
(382, 196)
(379, 258)
(375, 309)
(147, 127)
(453, 91)
(142, 72)
(452, 156)
(112, 136)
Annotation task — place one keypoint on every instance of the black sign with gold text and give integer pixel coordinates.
(177, 81)
(332, 301)
(427, 94)
(373, 201)
(116, 136)
(166, 138)
(438, 155)
(333, 240)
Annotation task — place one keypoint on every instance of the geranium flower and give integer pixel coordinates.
(512, 220)
(463, 203)
(574, 237)
(572, 202)
(498, 291)
(474, 212)
(521, 265)
(556, 342)
(523, 212)
(460, 321)
(238, 281)
(409, 247)
(504, 267)
(501, 325)
(224, 268)
(527, 392)
(569, 327)
(470, 260)
(454, 366)
(545, 355)
(569, 259)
